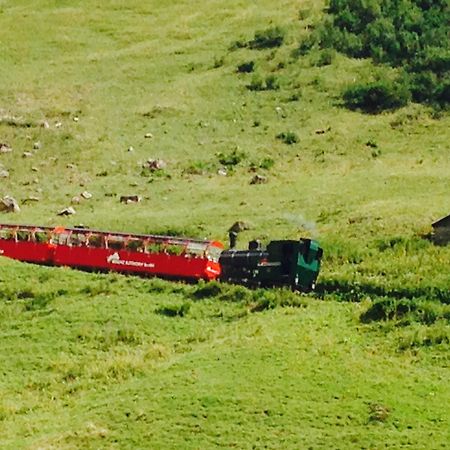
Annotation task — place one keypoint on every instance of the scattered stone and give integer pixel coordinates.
(155, 164)
(148, 136)
(9, 204)
(322, 130)
(36, 181)
(378, 413)
(258, 179)
(239, 226)
(130, 199)
(5, 148)
(131, 148)
(280, 112)
(30, 199)
(76, 119)
(44, 124)
(75, 200)
(35, 169)
(222, 172)
(87, 195)
(27, 155)
(37, 146)
(71, 166)
(58, 125)
(4, 173)
(67, 211)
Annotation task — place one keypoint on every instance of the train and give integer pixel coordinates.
(289, 263)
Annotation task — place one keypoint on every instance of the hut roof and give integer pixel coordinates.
(442, 223)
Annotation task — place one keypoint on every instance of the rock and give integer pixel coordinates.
(239, 226)
(75, 200)
(75, 119)
(9, 204)
(58, 125)
(30, 199)
(322, 130)
(5, 148)
(71, 166)
(37, 146)
(4, 173)
(131, 148)
(155, 164)
(148, 135)
(87, 195)
(222, 172)
(258, 179)
(27, 155)
(130, 199)
(44, 124)
(35, 169)
(67, 211)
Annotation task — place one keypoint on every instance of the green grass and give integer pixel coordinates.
(93, 361)
(99, 366)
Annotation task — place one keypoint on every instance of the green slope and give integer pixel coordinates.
(89, 361)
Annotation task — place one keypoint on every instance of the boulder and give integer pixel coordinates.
(9, 204)
(239, 226)
(258, 179)
(154, 164)
(5, 148)
(86, 195)
(130, 199)
(67, 211)
(30, 199)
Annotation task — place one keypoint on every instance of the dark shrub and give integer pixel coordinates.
(246, 67)
(174, 310)
(257, 84)
(231, 159)
(412, 34)
(272, 83)
(377, 96)
(270, 38)
(325, 58)
(288, 137)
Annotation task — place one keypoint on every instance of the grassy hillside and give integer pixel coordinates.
(94, 361)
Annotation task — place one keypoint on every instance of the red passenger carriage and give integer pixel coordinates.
(122, 252)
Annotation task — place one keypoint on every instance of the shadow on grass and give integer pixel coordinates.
(357, 291)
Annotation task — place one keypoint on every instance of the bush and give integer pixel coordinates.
(266, 163)
(257, 84)
(272, 83)
(180, 310)
(377, 96)
(325, 58)
(412, 34)
(288, 137)
(231, 159)
(406, 311)
(270, 38)
(246, 67)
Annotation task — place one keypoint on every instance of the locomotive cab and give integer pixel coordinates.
(282, 263)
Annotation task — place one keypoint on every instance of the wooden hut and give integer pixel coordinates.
(441, 230)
